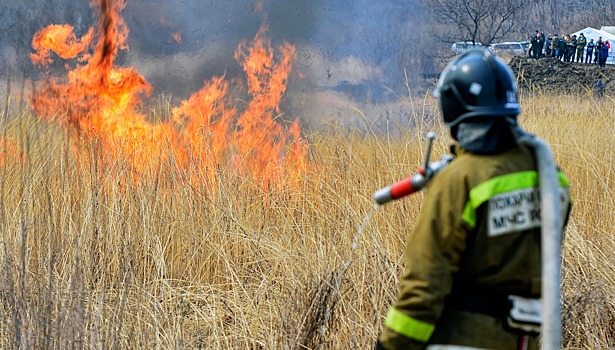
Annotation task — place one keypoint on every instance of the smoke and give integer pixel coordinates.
(349, 52)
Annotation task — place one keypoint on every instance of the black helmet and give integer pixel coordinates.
(477, 84)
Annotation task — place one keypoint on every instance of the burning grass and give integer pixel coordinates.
(91, 258)
(204, 225)
(98, 99)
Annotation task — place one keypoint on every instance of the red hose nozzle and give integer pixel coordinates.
(411, 184)
(400, 189)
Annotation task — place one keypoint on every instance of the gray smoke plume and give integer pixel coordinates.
(350, 53)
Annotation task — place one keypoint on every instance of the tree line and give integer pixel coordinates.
(490, 21)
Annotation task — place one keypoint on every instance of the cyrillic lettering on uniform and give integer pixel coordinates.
(514, 211)
(518, 210)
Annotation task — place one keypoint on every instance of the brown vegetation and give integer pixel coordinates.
(92, 259)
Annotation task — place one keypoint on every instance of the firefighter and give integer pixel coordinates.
(533, 46)
(541, 43)
(561, 54)
(599, 44)
(591, 45)
(554, 45)
(476, 245)
(571, 48)
(580, 44)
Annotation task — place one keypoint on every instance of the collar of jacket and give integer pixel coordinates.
(484, 136)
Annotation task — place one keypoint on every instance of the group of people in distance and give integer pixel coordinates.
(569, 48)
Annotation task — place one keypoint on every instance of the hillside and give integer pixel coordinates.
(553, 75)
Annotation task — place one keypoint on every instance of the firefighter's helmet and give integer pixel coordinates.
(477, 84)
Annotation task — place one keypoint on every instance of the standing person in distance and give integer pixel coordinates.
(604, 54)
(580, 43)
(599, 44)
(533, 51)
(590, 51)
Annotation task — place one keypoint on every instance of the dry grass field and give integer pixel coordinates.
(92, 257)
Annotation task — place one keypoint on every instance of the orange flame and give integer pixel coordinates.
(99, 99)
(205, 123)
(61, 40)
(9, 149)
(260, 139)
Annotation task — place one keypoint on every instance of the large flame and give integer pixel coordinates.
(261, 140)
(99, 99)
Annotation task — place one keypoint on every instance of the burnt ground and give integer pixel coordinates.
(552, 75)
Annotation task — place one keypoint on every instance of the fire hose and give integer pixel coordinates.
(551, 236)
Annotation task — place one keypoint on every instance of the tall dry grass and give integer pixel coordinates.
(581, 131)
(91, 258)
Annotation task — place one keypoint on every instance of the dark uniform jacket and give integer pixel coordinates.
(581, 42)
(476, 240)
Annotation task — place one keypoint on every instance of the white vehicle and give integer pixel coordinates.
(511, 48)
(461, 46)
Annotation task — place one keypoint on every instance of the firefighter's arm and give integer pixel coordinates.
(433, 254)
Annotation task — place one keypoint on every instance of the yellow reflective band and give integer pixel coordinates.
(502, 184)
(408, 326)
(563, 181)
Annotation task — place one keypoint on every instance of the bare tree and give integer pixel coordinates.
(478, 21)
(555, 13)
